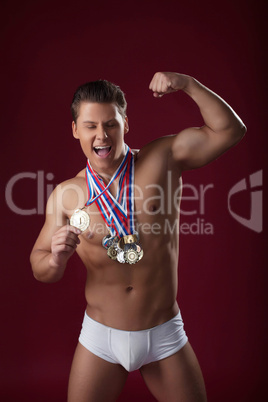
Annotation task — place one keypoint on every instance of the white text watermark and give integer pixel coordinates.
(152, 200)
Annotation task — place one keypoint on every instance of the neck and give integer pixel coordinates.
(107, 173)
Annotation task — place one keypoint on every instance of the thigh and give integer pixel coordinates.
(176, 378)
(94, 379)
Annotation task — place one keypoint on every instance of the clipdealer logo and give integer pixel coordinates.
(255, 221)
(253, 189)
(43, 191)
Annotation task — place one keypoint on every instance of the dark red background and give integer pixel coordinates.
(48, 49)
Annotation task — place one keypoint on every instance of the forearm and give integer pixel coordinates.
(217, 114)
(44, 268)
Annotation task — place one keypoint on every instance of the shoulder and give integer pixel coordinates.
(158, 156)
(70, 194)
(78, 181)
(81, 174)
(159, 148)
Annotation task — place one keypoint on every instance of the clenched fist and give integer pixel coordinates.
(165, 83)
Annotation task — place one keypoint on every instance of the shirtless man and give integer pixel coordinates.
(132, 319)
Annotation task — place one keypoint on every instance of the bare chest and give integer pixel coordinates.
(157, 195)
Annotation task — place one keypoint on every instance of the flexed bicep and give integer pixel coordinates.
(222, 129)
(195, 147)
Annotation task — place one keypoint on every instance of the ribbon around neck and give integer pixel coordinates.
(117, 212)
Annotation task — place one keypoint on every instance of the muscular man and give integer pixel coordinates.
(132, 319)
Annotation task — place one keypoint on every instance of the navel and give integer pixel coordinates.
(152, 208)
(129, 289)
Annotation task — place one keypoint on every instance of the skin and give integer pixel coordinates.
(144, 295)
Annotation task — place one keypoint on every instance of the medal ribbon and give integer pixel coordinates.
(117, 212)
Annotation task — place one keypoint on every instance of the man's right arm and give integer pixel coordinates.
(55, 244)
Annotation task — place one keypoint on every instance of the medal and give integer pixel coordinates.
(140, 254)
(112, 253)
(125, 249)
(121, 257)
(131, 256)
(129, 239)
(107, 241)
(80, 219)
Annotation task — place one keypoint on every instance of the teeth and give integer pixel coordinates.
(102, 147)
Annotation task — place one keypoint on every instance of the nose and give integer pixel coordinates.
(101, 134)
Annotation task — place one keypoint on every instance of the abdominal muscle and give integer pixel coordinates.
(131, 297)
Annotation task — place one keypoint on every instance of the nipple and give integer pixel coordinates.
(89, 234)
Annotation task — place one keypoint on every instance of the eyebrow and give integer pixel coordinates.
(93, 122)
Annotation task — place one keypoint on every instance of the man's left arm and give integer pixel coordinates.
(195, 147)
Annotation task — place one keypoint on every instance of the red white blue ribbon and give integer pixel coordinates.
(117, 212)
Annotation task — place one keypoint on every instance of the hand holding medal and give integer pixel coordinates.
(63, 244)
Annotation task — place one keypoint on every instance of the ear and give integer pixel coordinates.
(126, 128)
(74, 128)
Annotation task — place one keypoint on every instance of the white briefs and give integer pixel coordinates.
(133, 349)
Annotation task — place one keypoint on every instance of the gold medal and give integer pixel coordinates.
(112, 253)
(80, 219)
(127, 240)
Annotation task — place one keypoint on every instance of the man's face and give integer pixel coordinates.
(101, 129)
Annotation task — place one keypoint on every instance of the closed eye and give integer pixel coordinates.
(111, 125)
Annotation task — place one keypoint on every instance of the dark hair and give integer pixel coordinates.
(100, 91)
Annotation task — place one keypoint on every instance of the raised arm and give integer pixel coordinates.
(195, 147)
(55, 244)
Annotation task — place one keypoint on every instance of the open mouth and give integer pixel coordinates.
(102, 152)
